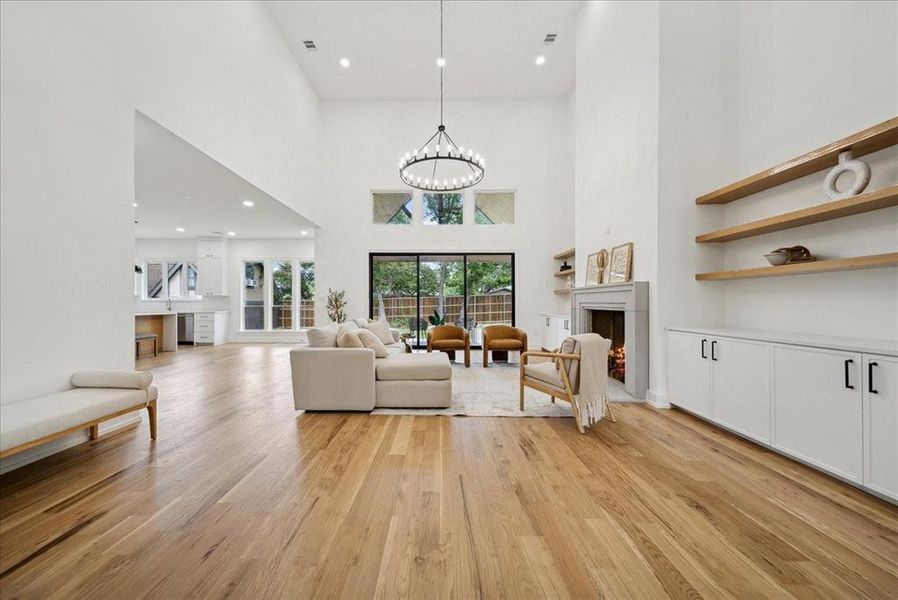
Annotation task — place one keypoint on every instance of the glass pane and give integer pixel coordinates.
(442, 292)
(281, 294)
(392, 208)
(253, 296)
(443, 209)
(175, 274)
(307, 295)
(394, 291)
(494, 208)
(191, 279)
(489, 292)
(155, 283)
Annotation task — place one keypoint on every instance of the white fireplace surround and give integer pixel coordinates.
(632, 299)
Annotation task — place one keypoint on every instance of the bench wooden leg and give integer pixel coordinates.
(154, 346)
(94, 431)
(151, 410)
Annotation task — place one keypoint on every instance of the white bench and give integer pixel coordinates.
(96, 396)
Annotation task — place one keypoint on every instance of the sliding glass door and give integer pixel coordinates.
(413, 291)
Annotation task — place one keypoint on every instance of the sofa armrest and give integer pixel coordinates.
(332, 378)
(396, 335)
(132, 380)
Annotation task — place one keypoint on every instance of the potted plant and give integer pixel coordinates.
(436, 318)
(336, 305)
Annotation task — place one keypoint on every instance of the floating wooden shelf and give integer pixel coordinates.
(563, 291)
(882, 198)
(565, 255)
(819, 266)
(864, 142)
(568, 273)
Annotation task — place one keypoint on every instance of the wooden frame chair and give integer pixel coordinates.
(565, 392)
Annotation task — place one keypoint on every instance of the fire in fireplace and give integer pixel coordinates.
(610, 325)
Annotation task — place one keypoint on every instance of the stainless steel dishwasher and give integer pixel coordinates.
(185, 328)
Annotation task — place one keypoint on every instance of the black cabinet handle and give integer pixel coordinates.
(870, 366)
(848, 361)
(704, 351)
(713, 348)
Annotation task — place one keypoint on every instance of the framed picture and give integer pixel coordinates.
(593, 273)
(621, 263)
(595, 267)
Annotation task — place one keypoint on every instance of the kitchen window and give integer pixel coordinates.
(278, 295)
(170, 279)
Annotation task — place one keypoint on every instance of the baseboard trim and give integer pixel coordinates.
(657, 399)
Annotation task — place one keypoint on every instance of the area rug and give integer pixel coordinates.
(493, 392)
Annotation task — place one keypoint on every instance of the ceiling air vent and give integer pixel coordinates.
(550, 38)
(310, 45)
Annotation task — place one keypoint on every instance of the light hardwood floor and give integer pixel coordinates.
(240, 497)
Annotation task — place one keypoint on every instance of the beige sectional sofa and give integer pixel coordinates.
(326, 377)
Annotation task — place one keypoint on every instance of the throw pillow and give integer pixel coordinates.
(322, 337)
(349, 326)
(369, 340)
(360, 322)
(382, 330)
(349, 339)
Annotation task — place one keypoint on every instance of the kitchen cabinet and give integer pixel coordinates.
(818, 408)
(880, 429)
(211, 280)
(210, 327)
(689, 372)
(210, 249)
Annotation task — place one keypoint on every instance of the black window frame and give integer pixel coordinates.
(418, 343)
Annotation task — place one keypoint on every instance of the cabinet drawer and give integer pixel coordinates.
(203, 326)
(204, 316)
(203, 338)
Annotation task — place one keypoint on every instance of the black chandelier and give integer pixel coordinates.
(445, 154)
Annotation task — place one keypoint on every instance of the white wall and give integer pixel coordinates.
(744, 86)
(527, 150)
(738, 88)
(616, 189)
(217, 74)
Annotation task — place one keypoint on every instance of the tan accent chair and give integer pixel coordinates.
(559, 377)
(503, 337)
(448, 339)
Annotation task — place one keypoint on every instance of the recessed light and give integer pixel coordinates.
(540, 60)
(135, 205)
(232, 233)
(344, 62)
(441, 62)
(248, 203)
(303, 232)
(179, 229)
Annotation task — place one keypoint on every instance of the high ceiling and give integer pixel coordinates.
(392, 46)
(176, 185)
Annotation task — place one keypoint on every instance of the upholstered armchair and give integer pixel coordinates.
(503, 337)
(448, 339)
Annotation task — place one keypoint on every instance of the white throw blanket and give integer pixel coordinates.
(593, 377)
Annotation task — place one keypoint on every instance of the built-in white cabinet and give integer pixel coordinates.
(880, 430)
(832, 407)
(734, 373)
(689, 372)
(210, 327)
(818, 409)
(740, 386)
(555, 330)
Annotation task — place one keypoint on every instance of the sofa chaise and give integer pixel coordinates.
(329, 378)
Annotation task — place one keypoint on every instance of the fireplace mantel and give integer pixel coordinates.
(632, 298)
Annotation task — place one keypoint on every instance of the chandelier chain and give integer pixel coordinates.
(442, 58)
